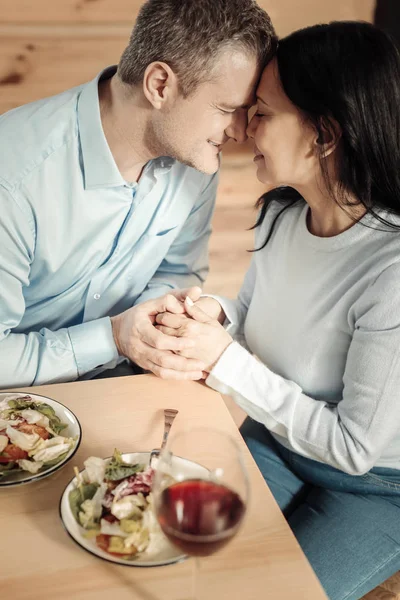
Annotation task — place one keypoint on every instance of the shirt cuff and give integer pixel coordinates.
(93, 345)
(230, 365)
(263, 394)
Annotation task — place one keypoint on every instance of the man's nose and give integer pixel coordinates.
(237, 128)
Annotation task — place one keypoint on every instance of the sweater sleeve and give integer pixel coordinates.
(236, 310)
(351, 435)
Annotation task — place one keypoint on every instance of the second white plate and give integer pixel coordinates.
(166, 554)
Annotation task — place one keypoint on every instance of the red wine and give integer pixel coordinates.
(199, 517)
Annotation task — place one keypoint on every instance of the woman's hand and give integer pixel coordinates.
(209, 337)
(211, 307)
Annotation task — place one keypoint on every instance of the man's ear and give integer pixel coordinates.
(160, 84)
(328, 138)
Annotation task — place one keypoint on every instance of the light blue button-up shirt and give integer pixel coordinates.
(79, 244)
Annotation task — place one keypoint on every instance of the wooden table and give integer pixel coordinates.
(39, 561)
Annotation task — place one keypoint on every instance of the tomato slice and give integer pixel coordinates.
(103, 540)
(12, 452)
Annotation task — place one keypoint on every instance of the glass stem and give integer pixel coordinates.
(195, 578)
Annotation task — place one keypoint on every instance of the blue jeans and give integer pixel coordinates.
(348, 526)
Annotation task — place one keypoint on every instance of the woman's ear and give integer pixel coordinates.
(328, 137)
(160, 84)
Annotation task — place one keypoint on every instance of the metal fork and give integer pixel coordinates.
(169, 416)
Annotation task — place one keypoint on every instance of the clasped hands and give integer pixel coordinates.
(177, 336)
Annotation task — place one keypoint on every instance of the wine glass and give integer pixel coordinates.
(200, 491)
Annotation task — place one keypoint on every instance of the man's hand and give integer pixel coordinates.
(137, 338)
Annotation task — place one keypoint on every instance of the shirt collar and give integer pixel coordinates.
(100, 169)
(163, 164)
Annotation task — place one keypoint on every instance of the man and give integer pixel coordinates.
(107, 192)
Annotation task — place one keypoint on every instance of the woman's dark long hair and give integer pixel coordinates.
(348, 72)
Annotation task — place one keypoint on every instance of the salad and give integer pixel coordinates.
(113, 502)
(30, 436)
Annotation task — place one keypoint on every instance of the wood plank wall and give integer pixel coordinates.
(47, 46)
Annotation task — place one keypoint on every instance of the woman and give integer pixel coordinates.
(320, 304)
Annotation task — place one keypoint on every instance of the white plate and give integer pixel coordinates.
(166, 555)
(72, 430)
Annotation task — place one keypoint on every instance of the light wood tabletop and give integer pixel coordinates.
(40, 561)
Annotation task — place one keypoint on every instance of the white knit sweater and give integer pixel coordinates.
(323, 317)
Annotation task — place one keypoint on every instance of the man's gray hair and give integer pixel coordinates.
(188, 35)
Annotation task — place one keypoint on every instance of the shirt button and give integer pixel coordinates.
(96, 296)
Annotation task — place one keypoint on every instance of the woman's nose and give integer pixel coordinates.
(251, 128)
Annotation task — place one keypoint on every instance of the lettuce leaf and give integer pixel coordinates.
(78, 495)
(51, 463)
(118, 469)
(8, 468)
(3, 442)
(34, 417)
(46, 453)
(95, 469)
(25, 441)
(29, 465)
(26, 403)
